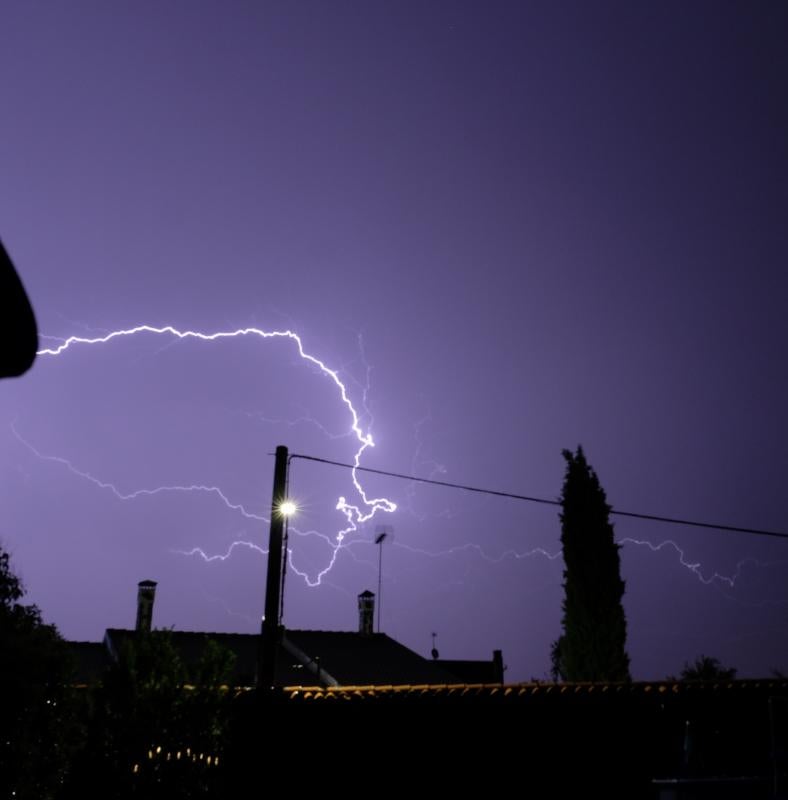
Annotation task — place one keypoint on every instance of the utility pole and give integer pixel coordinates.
(269, 638)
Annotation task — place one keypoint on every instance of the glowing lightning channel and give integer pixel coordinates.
(417, 462)
(311, 582)
(353, 514)
(470, 546)
(304, 419)
(215, 490)
(695, 568)
(199, 488)
(307, 419)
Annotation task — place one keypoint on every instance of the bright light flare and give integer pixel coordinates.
(288, 508)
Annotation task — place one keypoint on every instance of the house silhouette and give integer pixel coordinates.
(313, 658)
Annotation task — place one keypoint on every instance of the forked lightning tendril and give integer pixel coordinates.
(354, 515)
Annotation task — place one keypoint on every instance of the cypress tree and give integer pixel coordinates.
(592, 645)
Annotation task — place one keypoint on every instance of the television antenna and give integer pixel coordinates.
(383, 533)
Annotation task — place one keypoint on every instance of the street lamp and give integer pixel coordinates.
(287, 508)
(383, 532)
(269, 638)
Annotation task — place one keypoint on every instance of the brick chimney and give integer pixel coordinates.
(146, 593)
(366, 612)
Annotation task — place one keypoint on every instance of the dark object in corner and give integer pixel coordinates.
(18, 333)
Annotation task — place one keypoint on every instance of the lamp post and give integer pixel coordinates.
(384, 532)
(281, 508)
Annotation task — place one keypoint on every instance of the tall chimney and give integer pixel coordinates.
(146, 593)
(366, 612)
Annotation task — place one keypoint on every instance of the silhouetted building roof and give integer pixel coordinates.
(90, 660)
(309, 658)
(303, 658)
(357, 659)
(191, 646)
(473, 671)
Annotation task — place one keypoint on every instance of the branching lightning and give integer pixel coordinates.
(335, 547)
(215, 491)
(470, 546)
(354, 515)
(306, 417)
(695, 567)
(418, 462)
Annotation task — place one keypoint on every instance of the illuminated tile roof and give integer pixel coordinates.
(519, 692)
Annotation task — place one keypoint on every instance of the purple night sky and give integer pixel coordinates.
(510, 227)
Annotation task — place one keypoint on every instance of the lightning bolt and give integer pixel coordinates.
(354, 514)
(241, 543)
(215, 490)
(417, 462)
(312, 580)
(306, 418)
(470, 546)
(229, 611)
(200, 488)
(695, 567)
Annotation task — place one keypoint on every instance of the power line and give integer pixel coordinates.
(513, 496)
